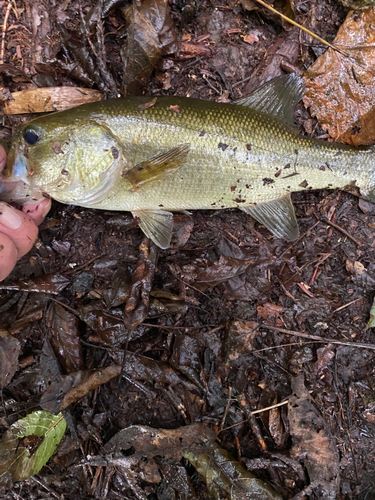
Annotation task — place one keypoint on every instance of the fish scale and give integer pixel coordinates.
(154, 156)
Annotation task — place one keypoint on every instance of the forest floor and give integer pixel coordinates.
(222, 323)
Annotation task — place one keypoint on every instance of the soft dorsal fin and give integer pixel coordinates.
(278, 216)
(157, 225)
(157, 166)
(277, 97)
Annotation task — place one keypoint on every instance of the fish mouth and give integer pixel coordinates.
(14, 181)
(16, 169)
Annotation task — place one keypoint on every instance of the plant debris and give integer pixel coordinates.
(231, 361)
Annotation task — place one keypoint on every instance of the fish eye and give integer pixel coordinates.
(31, 136)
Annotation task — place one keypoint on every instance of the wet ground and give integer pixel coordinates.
(225, 321)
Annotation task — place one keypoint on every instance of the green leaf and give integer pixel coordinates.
(227, 478)
(28, 445)
(371, 322)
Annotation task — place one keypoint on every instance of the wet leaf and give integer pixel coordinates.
(224, 477)
(68, 389)
(146, 369)
(358, 4)
(227, 478)
(49, 99)
(313, 441)
(371, 321)
(285, 7)
(222, 270)
(136, 308)
(340, 91)
(9, 351)
(48, 283)
(28, 445)
(185, 358)
(271, 313)
(65, 338)
(151, 34)
(239, 338)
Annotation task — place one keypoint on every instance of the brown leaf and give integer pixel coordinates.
(239, 338)
(151, 34)
(313, 441)
(271, 313)
(48, 283)
(136, 308)
(9, 351)
(340, 91)
(250, 38)
(191, 49)
(49, 99)
(174, 108)
(65, 338)
(147, 105)
(68, 389)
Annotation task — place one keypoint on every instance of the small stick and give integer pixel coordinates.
(342, 52)
(346, 305)
(2, 51)
(299, 239)
(226, 408)
(317, 337)
(343, 231)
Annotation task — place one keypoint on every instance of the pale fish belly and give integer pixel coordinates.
(211, 183)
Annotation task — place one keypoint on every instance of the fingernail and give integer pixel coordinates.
(46, 208)
(9, 217)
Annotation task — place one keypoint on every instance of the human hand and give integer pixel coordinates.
(18, 230)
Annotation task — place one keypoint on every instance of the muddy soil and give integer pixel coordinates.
(220, 324)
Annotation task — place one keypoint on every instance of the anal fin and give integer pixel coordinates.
(278, 216)
(157, 166)
(156, 225)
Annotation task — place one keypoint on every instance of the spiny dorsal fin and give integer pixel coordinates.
(278, 216)
(157, 166)
(277, 97)
(157, 225)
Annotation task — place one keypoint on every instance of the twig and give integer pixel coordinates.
(343, 231)
(346, 305)
(299, 239)
(317, 37)
(226, 408)
(317, 337)
(2, 50)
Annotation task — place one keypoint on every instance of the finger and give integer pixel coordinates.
(8, 256)
(19, 227)
(3, 157)
(38, 211)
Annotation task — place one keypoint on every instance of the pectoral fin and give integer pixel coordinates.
(278, 216)
(157, 166)
(157, 225)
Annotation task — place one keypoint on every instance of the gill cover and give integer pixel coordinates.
(97, 163)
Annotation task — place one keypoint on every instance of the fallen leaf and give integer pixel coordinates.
(68, 389)
(49, 99)
(271, 312)
(147, 105)
(239, 338)
(65, 338)
(174, 108)
(151, 34)
(313, 441)
(48, 283)
(28, 445)
(9, 351)
(250, 38)
(340, 90)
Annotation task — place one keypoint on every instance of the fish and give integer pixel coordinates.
(154, 156)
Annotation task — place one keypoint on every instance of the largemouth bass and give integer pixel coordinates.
(156, 156)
